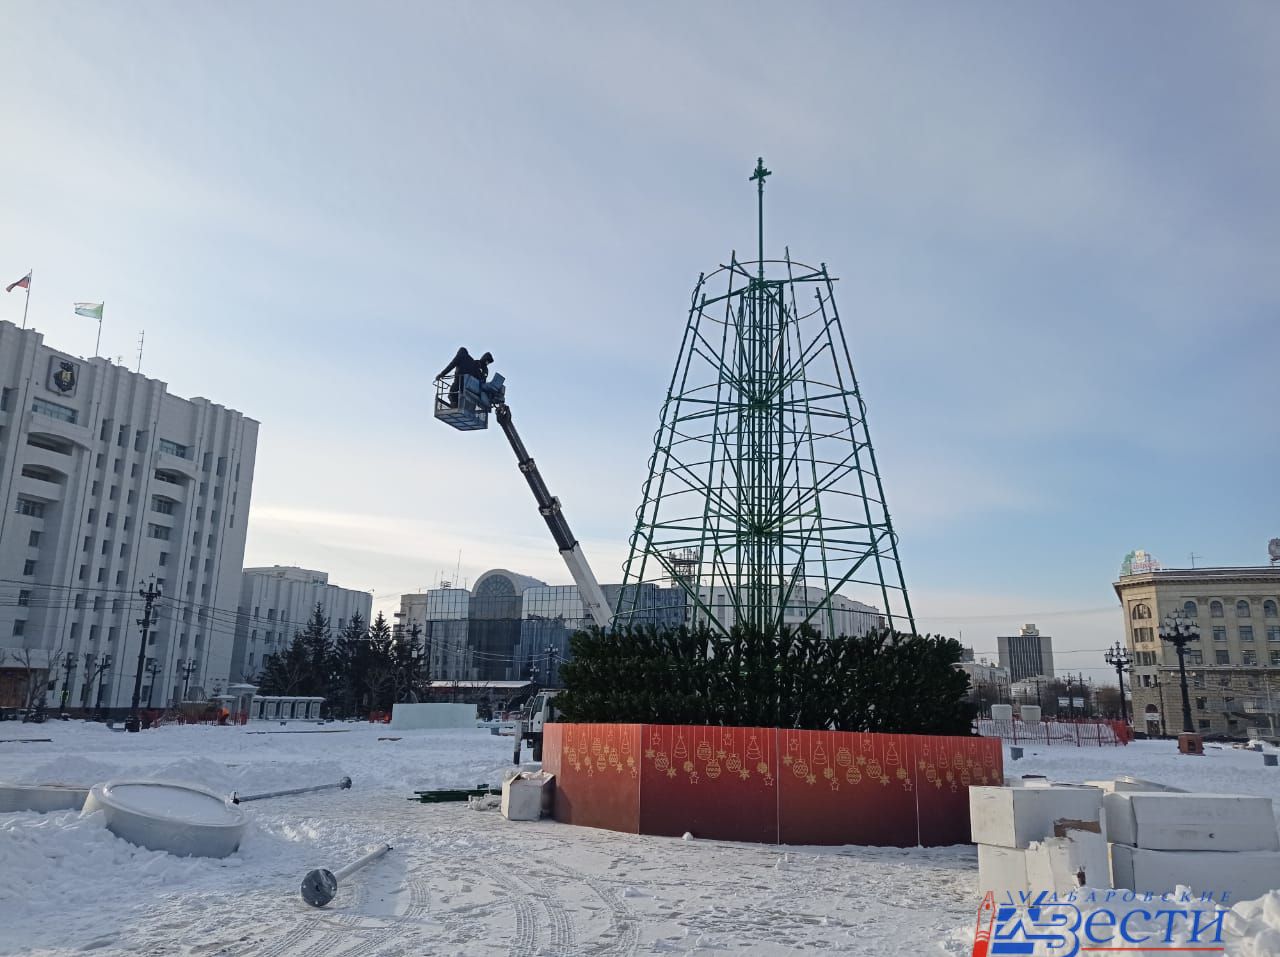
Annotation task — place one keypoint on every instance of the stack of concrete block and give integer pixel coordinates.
(1220, 843)
(1038, 838)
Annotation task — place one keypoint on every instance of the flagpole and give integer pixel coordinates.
(98, 343)
(27, 305)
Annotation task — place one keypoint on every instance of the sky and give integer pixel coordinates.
(1056, 228)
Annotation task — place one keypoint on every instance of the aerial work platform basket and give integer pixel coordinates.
(464, 401)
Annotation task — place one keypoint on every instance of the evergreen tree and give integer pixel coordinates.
(318, 643)
(286, 672)
(350, 662)
(410, 665)
(379, 672)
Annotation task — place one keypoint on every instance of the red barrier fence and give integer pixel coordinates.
(769, 785)
(1049, 733)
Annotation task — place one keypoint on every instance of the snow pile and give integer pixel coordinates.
(1253, 927)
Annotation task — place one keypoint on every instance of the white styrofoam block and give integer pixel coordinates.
(1002, 712)
(1017, 816)
(1126, 783)
(1191, 822)
(1054, 864)
(527, 796)
(415, 717)
(1245, 875)
(1002, 870)
(1029, 713)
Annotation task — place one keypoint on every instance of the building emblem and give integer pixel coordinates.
(1273, 549)
(63, 376)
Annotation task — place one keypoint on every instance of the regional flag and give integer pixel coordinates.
(92, 310)
(23, 283)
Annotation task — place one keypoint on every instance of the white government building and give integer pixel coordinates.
(106, 480)
(275, 603)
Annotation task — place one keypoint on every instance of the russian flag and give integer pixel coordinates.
(23, 283)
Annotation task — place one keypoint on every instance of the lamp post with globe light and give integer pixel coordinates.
(1179, 631)
(1118, 657)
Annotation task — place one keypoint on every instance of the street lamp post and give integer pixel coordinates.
(1160, 692)
(1179, 631)
(153, 669)
(1118, 657)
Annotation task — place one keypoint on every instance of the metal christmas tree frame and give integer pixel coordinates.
(763, 498)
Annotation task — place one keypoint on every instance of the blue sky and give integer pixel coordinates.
(1057, 230)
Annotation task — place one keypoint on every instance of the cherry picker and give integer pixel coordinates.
(466, 405)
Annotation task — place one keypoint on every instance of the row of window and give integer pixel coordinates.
(1270, 609)
(54, 411)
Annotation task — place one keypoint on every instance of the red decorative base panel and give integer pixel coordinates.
(767, 784)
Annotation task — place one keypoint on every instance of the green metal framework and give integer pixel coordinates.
(763, 498)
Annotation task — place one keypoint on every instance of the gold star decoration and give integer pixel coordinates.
(786, 759)
(744, 774)
(648, 752)
(693, 777)
(671, 772)
(809, 779)
(835, 785)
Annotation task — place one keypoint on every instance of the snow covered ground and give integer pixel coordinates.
(467, 882)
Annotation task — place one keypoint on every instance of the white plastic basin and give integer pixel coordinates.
(184, 820)
(41, 797)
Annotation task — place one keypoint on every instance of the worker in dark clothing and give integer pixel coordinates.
(463, 365)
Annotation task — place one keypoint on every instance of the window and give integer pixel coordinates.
(1275, 658)
(102, 575)
(1215, 609)
(128, 522)
(133, 470)
(1204, 724)
(1250, 658)
(1140, 612)
(167, 477)
(111, 520)
(1242, 609)
(1219, 633)
(54, 411)
(139, 440)
(1143, 634)
(222, 465)
(24, 598)
(29, 567)
(164, 558)
(124, 549)
(111, 633)
(84, 570)
(106, 545)
(88, 543)
(1197, 679)
(115, 604)
(115, 492)
(1222, 656)
(118, 467)
(93, 516)
(1273, 632)
(162, 505)
(1246, 632)
(120, 577)
(1202, 703)
(173, 448)
(123, 436)
(4, 399)
(1269, 609)
(158, 531)
(97, 603)
(33, 540)
(1191, 610)
(29, 506)
(19, 626)
(1195, 657)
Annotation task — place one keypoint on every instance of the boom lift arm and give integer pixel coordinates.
(589, 589)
